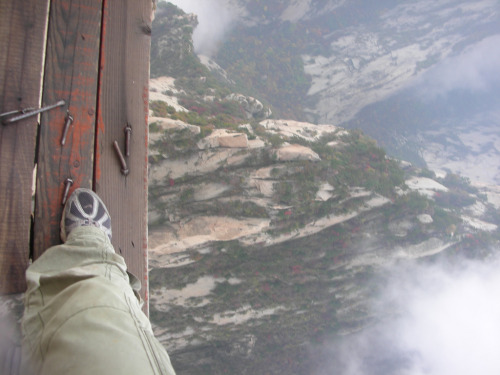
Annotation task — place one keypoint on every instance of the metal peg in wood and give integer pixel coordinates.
(68, 184)
(125, 169)
(25, 113)
(128, 134)
(67, 123)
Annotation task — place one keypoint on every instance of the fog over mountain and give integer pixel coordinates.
(446, 323)
(216, 18)
(448, 116)
(476, 70)
(388, 274)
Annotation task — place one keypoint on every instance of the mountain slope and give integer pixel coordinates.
(269, 237)
(393, 69)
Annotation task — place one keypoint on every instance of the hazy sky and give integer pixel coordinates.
(215, 19)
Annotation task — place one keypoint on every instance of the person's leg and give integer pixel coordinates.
(82, 315)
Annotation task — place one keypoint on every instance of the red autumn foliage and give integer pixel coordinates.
(296, 270)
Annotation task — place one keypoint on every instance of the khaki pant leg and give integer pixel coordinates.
(83, 317)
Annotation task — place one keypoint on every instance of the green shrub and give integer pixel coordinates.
(161, 108)
(457, 182)
(154, 128)
(186, 195)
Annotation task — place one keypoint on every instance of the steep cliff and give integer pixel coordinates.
(268, 237)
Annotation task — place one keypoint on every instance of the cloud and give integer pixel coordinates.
(452, 320)
(448, 323)
(476, 69)
(216, 18)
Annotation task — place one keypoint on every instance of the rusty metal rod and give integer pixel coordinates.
(128, 134)
(67, 123)
(28, 112)
(68, 184)
(125, 169)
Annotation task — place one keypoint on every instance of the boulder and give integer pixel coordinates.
(296, 152)
(425, 218)
(237, 140)
(325, 192)
(251, 106)
(256, 143)
(223, 138)
(305, 130)
(425, 186)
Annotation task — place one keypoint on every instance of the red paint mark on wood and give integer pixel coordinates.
(145, 101)
(70, 74)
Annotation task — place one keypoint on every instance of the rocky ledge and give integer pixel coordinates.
(270, 236)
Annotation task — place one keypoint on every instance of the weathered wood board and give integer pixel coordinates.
(123, 100)
(23, 27)
(71, 74)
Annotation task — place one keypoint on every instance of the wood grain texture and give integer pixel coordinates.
(23, 27)
(123, 99)
(71, 74)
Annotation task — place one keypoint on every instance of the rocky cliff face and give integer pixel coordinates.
(369, 63)
(269, 236)
(408, 73)
(359, 53)
(259, 251)
(172, 44)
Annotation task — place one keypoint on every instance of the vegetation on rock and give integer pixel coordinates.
(332, 221)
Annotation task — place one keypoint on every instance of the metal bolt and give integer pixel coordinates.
(68, 122)
(128, 133)
(29, 112)
(68, 184)
(125, 169)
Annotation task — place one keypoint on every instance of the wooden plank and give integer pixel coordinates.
(23, 26)
(123, 99)
(71, 74)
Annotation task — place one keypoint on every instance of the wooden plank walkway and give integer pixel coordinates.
(124, 101)
(22, 35)
(97, 61)
(71, 74)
